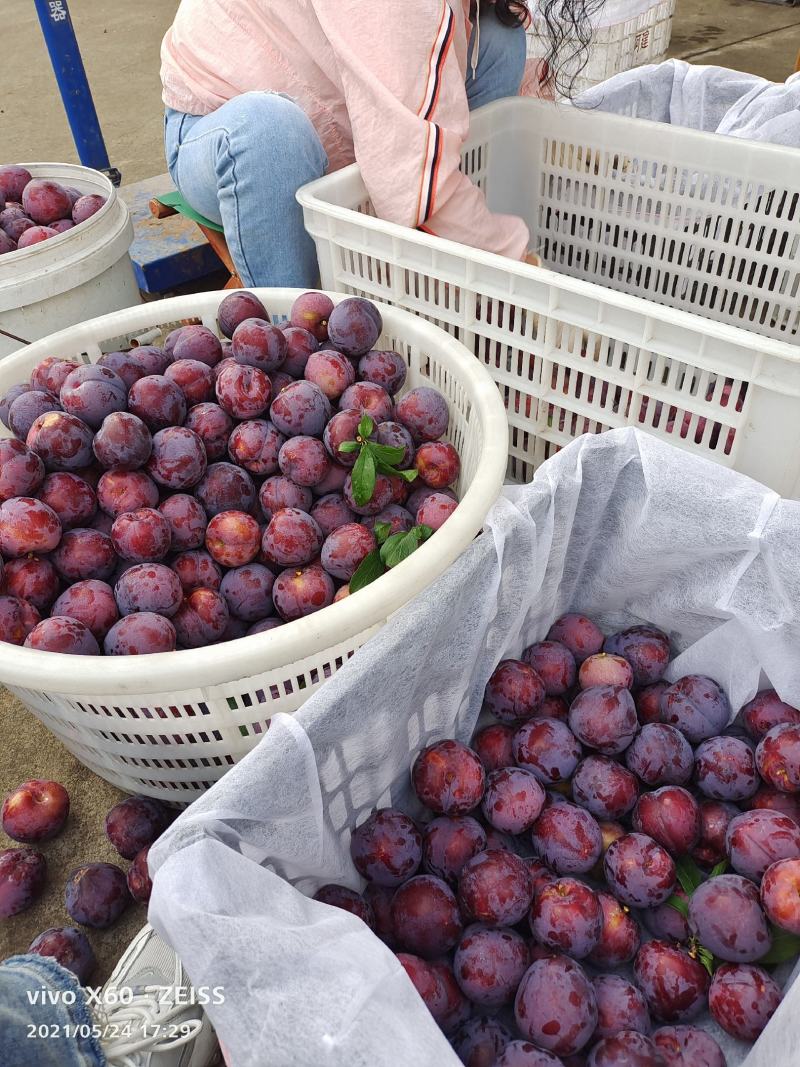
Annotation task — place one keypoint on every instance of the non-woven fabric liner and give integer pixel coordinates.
(713, 99)
(620, 526)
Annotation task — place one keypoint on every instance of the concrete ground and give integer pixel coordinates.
(120, 44)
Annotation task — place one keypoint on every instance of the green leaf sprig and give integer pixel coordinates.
(373, 459)
(392, 549)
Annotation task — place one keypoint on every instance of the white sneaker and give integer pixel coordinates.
(156, 1026)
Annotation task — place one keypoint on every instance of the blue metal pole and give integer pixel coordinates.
(65, 57)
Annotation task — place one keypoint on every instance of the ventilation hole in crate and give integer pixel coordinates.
(232, 705)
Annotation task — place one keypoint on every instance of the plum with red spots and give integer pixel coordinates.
(604, 717)
(660, 755)
(451, 1008)
(725, 769)
(331, 513)
(244, 392)
(21, 471)
(345, 548)
(639, 871)
(236, 307)
(157, 401)
(605, 669)
(448, 778)
(742, 1000)
(13, 180)
(140, 635)
(122, 365)
(567, 838)
(135, 823)
(256, 445)
(198, 344)
(279, 493)
(493, 745)
(91, 602)
(256, 343)
(194, 379)
(32, 579)
(63, 442)
(773, 800)
(384, 368)
(69, 947)
(424, 413)
(148, 587)
(292, 538)
(671, 816)
(225, 487)
(22, 878)
(300, 344)
(15, 623)
(70, 497)
(62, 634)
(514, 691)
(96, 894)
(379, 898)
(438, 464)
(332, 372)
(35, 811)
(665, 922)
(86, 206)
(339, 896)
(604, 787)
(756, 839)
(489, 965)
(45, 201)
(435, 510)
(85, 553)
(425, 916)
(555, 1006)
(480, 1040)
(580, 635)
(140, 885)
(213, 426)
(766, 710)
(152, 359)
(687, 1046)
(50, 374)
(675, 984)
(555, 665)
(448, 842)
(382, 494)
(14, 229)
(300, 408)
(201, 619)
(626, 1048)
(620, 1006)
(548, 748)
(394, 435)
(354, 325)
(620, 936)
(8, 399)
(27, 408)
(780, 894)
(646, 648)
(302, 591)
(311, 312)
(566, 916)
(697, 706)
(248, 592)
(386, 848)
(119, 491)
(368, 399)
(778, 757)
(197, 570)
(187, 521)
(304, 460)
(715, 816)
(233, 538)
(513, 800)
(123, 442)
(141, 536)
(91, 393)
(725, 914)
(27, 526)
(495, 888)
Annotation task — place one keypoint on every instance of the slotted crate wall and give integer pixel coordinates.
(672, 298)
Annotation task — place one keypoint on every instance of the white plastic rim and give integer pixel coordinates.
(217, 664)
(65, 262)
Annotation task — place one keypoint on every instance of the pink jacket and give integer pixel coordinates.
(381, 80)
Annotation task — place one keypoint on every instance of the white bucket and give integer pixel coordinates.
(76, 276)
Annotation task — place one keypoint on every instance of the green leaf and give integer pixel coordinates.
(389, 545)
(706, 958)
(370, 568)
(386, 453)
(349, 446)
(679, 904)
(785, 946)
(689, 874)
(365, 427)
(403, 548)
(388, 470)
(425, 531)
(381, 531)
(363, 478)
(720, 868)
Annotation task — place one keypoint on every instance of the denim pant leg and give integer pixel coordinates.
(501, 61)
(44, 1016)
(241, 167)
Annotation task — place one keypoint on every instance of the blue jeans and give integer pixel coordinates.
(33, 1029)
(242, 165)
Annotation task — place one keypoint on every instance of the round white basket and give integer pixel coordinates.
(169, 725)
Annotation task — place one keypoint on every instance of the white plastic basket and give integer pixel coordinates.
(701, 223)
(623, 37)
(170, 725)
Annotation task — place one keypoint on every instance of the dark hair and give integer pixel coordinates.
(567, 24)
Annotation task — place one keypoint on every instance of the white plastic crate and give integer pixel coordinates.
(640, 224)
(623, 37)
(170, 725)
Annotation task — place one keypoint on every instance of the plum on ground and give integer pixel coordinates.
(140, 885)
(671, 816)
(567, 838)
(725, 915)
(96, 894)
(495, 888)
(697, 706)
(514, 691)
(386, 848)
(639, 871)
(620, 936)
(67, 946)
(620, 1006)
(660, 755)
(742, 999)
(425, 916)
(22, 878)
(448, 842)
(489, 965)
(448, 778)
(674, 983)
(604, 718)
(135, 823)
(35, 811)
(566, 916)
(555, 1006)
(604, 787)
(778, 757)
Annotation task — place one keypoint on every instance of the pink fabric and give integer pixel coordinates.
(381, 80)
